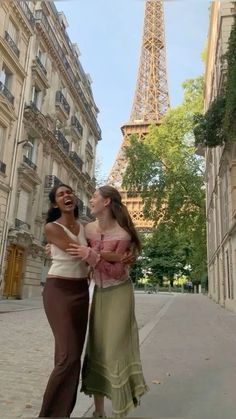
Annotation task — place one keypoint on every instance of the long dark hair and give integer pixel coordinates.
(54, 213)
(120, 213)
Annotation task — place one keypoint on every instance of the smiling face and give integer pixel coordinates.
(65, 199)
(98, 204)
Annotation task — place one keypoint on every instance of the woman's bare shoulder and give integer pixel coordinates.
(90, 227)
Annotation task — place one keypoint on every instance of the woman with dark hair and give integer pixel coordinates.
(112, 365)
(66, 299)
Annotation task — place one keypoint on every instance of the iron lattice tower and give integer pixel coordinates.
(150, 102)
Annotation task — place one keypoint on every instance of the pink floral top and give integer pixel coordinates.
(107, 274)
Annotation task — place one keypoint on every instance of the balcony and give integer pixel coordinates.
(21, 224)
(2, 167)
(29, 163)
(76, 124)
(12, 44)
(41, 66)
(63, 143)
(88, 177)
(26, 12)
(62, 105)
(76, 160)
(44, 25)
(89, 149)
(51, 181)
(4, 90)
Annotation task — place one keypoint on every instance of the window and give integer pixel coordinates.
(30, 152)
(37, 97)
(6, 77)
(41, 55)
(13, 32)
(23, 205)
(2, 139)
(55, 168)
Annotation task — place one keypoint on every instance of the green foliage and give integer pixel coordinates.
(230, 88)
(209, 129)
(218, 125)
(167, 174)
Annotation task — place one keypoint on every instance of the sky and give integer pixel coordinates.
(108, 34)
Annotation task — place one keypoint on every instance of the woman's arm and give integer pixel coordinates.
(94, 259)
(56, 235)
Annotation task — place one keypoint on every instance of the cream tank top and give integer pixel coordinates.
(65, 265)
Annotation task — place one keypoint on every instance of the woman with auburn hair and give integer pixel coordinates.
(112, 365)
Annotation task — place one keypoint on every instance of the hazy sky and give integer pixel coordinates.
(108, 33)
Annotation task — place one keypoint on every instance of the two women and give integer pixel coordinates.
(112, 365)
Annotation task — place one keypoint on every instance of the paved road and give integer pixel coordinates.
(188, 348)
(26, 347)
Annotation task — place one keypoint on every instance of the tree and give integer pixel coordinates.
(167, 173)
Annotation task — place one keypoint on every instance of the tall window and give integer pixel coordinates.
(13, 32)
(41, 55)
(2, 140)
(6, 77)
(30, 152)
(37, 97)
(23, 205)
(55, 168)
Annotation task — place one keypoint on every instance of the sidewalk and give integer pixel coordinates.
(189, 361)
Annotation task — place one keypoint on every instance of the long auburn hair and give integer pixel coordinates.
(54, 213)
(120, 213)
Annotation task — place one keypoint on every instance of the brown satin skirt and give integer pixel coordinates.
(66, 305)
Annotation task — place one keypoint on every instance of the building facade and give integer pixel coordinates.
(220, 169)
(48, 134)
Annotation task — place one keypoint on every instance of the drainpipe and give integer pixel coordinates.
(14, 159)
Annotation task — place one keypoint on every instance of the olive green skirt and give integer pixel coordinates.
(112, 365)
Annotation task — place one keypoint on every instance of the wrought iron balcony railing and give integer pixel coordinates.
(27, 12)
(89, 147)
(6, 93)
(40, 64)
(29, 162)
(75, 123)
(76, 159)
(40, 17)
(2, 167)
(51, 181)
(62, 141)
(60, 98)
(12, 44)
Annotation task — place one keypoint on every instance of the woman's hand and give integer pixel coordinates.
(128, 257)
(77, 250)
(47, 250)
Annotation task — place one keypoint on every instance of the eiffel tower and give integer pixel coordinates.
(150, 102)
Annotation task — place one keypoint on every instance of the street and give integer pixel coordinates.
(187, 347)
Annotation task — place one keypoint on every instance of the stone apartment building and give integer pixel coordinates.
(48, 134)
(220, 170)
